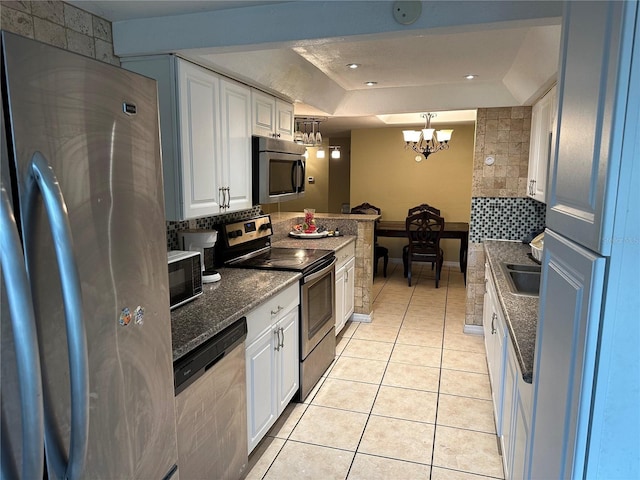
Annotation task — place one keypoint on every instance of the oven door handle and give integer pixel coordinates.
(322, 272)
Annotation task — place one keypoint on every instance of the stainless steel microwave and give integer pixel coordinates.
(185, 277)
(278, 170)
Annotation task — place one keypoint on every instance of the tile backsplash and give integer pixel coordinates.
(500, 218)
(505, 218)
(206, 223)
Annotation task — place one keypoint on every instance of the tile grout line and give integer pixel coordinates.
(379, 385)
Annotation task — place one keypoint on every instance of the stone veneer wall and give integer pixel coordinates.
(500, 207)
(62, 25)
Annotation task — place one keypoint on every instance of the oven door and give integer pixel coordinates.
(317, 307)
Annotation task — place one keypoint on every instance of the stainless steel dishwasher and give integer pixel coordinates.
(211, 410)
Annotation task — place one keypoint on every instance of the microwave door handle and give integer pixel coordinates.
(299, 176)
(25, 340)
(294, 176)
(41, 178)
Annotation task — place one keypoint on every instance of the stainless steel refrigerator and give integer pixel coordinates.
(84, 275)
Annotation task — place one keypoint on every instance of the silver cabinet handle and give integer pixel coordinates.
(493, 318)
(221, 197)
(282, 341)
(276, 311)
(23, 324)
(41, 178)
(228, 204)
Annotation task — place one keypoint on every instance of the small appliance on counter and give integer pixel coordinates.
(202, 241)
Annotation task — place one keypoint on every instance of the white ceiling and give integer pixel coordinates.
(299, 50)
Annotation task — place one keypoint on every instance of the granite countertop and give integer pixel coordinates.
(222, 303)
(521, 312)
(326, 243)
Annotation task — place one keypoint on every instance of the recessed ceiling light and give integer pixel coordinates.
(470, 76)
(370, 84)
(352, 66)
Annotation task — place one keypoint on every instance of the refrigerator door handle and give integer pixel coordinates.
(23, 325)
(41, 178)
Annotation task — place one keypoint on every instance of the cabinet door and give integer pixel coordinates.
(340, 299)
(542, 119)
(494, 337)
(349, 289)
(199, 118)
(263, 113)
(262, 407)
(284, 120)
(289, 359)
(236, 145)
(511, 372)
(565, 356)
(593, 84)
(521, 430)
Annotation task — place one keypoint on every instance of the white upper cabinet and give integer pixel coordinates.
(542, 122)
(205, 122)
(271, 116)
(199, 127)
(236, 144)
(592, 87)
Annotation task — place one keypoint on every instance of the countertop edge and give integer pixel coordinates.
(183, 315)
(520, 312)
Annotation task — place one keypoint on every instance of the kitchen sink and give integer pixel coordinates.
(523, 279)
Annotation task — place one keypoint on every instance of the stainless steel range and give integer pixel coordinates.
(247, 244)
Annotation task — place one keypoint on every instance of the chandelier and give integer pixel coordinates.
(428, 140)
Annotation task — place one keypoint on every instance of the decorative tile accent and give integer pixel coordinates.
(502, 218)
(505, 218)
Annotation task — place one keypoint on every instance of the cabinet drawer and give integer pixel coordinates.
(344, 254)
(271, 310)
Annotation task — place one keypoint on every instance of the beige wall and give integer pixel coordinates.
(386, 175)
(339, 175)
(62, 25)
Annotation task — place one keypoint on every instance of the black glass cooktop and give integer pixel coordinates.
(291, 259)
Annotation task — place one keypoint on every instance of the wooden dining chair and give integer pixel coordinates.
(424, 230)
(378, 250)
(421, 207)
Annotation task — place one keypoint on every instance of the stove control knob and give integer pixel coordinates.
(235, 233)
(264, 226)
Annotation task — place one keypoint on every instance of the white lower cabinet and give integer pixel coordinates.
(272, 361)
(495, 334)
(510, 393)
(345, 285)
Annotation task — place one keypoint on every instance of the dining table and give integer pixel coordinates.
(455, 230)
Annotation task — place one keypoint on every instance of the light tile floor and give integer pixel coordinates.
(407, 397)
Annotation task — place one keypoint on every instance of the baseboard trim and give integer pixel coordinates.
(362, 317)
(446, 263)
(473, 329)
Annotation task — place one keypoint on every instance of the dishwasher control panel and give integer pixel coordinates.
(194, 364)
